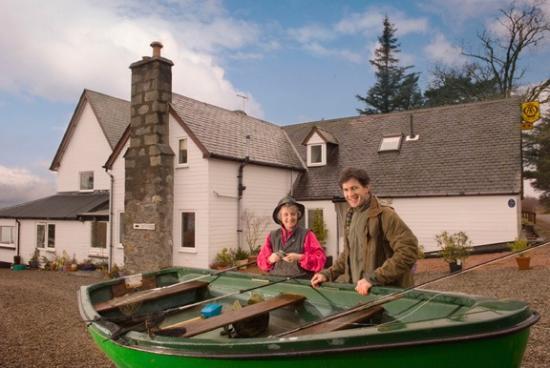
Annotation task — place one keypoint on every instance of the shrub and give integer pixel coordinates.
(519, 245)
(454, 247)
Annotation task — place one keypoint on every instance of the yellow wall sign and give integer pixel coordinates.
(530, 111)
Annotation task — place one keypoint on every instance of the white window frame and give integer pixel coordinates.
(308, 220)
(80, 174)
(323, 161)
(390, 143)
(182, 164)
(106, 224)
(190, 249)
(46, 241)
(11, 231)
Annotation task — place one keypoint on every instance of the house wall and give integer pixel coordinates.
(73, 237)
(86, 150)
(190, 195)
(485, 219)
(117, 170)
(265, 186)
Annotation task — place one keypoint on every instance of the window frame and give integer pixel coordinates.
(48, 242)
(182, 231)
(391, 148)
(11, 241)
(186, 163)
(80, 174)
(323, 161)
(93, 244)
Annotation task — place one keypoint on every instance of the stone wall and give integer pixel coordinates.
(149, 165)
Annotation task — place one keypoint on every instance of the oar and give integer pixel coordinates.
(156, 318)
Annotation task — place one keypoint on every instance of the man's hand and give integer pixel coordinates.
(293, 257)
(318, 279)
(363, 287)
(274, 258)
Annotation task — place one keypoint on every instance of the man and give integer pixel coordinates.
(379, 248)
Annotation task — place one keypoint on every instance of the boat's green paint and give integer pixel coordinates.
(433, 330)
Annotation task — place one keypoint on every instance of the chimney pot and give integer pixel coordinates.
(156, 48)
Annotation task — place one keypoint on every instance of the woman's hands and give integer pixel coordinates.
(287, 257)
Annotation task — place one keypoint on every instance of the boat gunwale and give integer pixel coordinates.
(524, 324)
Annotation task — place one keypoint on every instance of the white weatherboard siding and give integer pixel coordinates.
(118, 173)
(265, 186)
(485, 219)
(87, 150)
(190, 195)
(73, 237)
(329, 216)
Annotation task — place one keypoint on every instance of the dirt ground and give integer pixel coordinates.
(40, 325)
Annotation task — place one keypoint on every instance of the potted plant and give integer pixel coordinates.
(33, 262)
(223, 260)
(518, 246)
(241, 257)
(455, 248)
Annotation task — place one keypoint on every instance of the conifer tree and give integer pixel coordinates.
(395, 89)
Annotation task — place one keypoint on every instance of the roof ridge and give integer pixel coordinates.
(87, 90)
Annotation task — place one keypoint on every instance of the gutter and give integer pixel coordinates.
(17, 257)
(240, 189)
(110, 262)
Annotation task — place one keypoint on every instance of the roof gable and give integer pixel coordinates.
(113, 116)
(326, 136)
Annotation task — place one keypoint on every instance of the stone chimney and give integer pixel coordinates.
(149, 164)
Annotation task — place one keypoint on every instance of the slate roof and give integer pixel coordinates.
(223, 134)
(471, 149)
(61, 206)
(113, 115)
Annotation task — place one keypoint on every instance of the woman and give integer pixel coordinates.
(290, 250)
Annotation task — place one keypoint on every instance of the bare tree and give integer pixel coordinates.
(524, 27)
(254, 230)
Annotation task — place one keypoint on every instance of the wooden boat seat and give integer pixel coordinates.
(148, 295)
(337, 324)
(197, 327)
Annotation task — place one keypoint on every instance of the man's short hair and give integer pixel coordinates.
(353, 173)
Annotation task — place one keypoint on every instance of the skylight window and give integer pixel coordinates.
(392, 143)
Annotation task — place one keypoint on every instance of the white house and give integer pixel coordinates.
(454, 168)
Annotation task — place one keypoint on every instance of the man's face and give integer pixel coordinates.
(356, 194)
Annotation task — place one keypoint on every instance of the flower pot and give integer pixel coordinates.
(242, 263)
(523, 263)
(455, 266)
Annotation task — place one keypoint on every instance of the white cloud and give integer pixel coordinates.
(371, 21)
(440, 50)
(19, 186)
(55, 49)
(317, 49)
(311, 33)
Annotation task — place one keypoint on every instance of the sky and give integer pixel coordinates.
(294, 60)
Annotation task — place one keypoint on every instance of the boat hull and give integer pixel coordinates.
(499, 351)
(421, 328)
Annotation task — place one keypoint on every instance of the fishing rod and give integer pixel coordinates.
(399, 294)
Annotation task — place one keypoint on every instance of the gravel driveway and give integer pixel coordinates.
(40, 325)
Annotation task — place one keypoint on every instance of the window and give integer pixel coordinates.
(182, 152)
(188, 229)
(316, 155)
(6, 234)
(390, 143)
(45, 235)
(312, 214)
(99, 234)
(121, 225)
(86, 180)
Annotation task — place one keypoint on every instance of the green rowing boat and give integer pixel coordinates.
(183, 317)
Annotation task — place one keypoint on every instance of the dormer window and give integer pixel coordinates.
(390, 143)
(86, 180)
(317, 141)
(316, 154)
